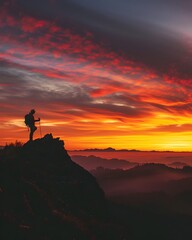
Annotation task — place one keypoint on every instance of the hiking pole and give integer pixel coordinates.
(40, 129)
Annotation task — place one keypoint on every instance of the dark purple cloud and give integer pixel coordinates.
(155, 34)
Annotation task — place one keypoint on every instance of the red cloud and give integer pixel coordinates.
(29, 24)
(59, 41)
(102, 92)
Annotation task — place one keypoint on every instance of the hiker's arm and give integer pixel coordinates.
(38, 120)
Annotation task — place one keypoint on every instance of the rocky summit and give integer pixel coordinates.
(45, 195)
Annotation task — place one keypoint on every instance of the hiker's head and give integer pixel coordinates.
(32, 111)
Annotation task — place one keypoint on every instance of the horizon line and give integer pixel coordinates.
(110, 149)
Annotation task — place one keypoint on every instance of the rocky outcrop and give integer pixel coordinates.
(45, 195)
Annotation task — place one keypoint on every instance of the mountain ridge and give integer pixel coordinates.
(48, 196)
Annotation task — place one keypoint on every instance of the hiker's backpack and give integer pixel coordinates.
(27, 120)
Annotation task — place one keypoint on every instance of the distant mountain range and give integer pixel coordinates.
(109, 149)
(93, 162)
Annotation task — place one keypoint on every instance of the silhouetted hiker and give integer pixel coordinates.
(30, 122)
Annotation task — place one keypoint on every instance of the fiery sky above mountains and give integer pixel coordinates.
(99, 73)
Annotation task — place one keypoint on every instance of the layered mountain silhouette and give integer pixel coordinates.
(178, 164)
(92, 162)
(45, 195)
(149, 184)
(153, 199)
(144, 178)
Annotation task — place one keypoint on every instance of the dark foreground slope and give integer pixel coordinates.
(44, 195)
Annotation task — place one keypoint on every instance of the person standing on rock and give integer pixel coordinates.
(30, 122)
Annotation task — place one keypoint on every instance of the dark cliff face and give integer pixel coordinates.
(44, 193)
(49, 164)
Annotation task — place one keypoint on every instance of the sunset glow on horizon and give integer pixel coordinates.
(97, 80)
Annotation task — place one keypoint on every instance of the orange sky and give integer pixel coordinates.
(86, 92)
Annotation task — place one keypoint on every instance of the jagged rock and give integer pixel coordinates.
(46, 148)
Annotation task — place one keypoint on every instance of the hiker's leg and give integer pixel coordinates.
(31, 134)
(32, 130)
